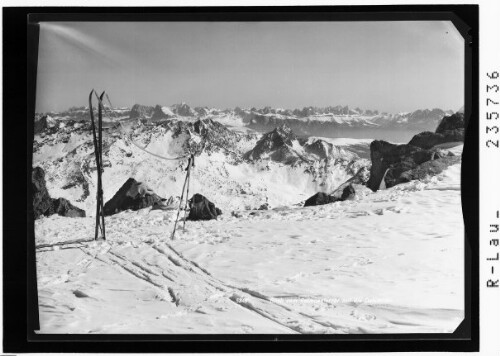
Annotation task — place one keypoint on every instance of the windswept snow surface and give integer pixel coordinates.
(385, 262)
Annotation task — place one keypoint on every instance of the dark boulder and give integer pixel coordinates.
(264, 206)
(132, 195)
(392, 160)
(43, 204)
(200, 208)
(63, 207)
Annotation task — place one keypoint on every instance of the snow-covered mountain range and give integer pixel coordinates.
(332, 121)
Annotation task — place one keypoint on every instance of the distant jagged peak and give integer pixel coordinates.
(162, 112)
(183, 109)
(141, 111)
(281, 137)
(281, 145)
(203, 125)
(205, 128)
(202, 110)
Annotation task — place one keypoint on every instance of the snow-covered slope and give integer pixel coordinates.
(368, 265)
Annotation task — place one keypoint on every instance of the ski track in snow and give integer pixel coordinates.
(386, 262)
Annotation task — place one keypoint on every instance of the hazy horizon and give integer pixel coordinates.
(384, 66)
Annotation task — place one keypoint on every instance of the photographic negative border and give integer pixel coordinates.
(20, 25)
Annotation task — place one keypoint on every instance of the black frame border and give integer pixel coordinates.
(19, 322)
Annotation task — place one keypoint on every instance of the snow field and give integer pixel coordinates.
(385, 262)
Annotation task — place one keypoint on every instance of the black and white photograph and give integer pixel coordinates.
(249, 177)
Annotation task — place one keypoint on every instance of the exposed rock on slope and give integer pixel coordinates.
(132, 195)
(63, 207)
(401, 163)
(428, 168)
(40, 124)
(322, 198)
(41, 198)
(450, 129)
(396, 158)
(43, 204)
(452, 123)
(348, 193)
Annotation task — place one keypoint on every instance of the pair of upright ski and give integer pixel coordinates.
(187, 180)
(97, 136)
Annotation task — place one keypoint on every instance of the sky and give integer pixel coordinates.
(387, 66)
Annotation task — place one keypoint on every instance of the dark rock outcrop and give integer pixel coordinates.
(453, 122)
(40, 124)
(429, 168)
(320, 199)
(344, 192)
(264, 206)
(44, 205)
(429, 139)
(348, 193)
(63, 207)
(397, 164)
(42, 201)
(200, 208)
(392, 160)
(132, 195)
(450, 129)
